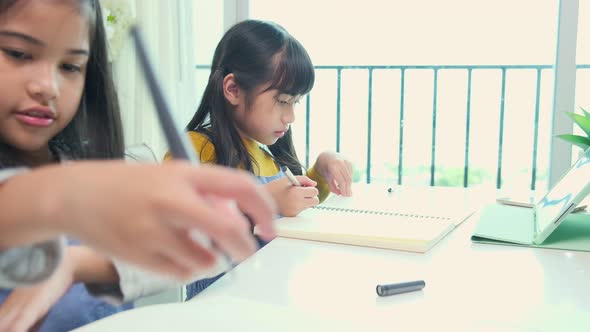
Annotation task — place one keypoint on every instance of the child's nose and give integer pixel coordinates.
(43, 85)
(289, 115)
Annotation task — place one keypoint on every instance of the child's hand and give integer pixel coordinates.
(142, 213)
(337, 172)
(293, 199)
(26, 307)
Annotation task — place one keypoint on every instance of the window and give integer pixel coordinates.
(208, 23)
(452, 89)
(583, 60)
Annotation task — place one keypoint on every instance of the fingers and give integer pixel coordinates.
(350, 175)
(346, 180)
(190, 256)
(309, 196)
(311, 201)
(10, 318)
(305, 192)
(167, 255)
(341, 182)
(17, 313)
(8, 324)
(230, 209)
(239, 186)
(305, 181)
(334, 186)
(165, 265)
(309, 192)
(225, 226)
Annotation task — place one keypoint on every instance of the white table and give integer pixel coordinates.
(469, 287)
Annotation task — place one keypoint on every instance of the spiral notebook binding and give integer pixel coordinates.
(382, 213)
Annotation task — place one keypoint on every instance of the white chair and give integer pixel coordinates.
(143, 153)
(140, 153)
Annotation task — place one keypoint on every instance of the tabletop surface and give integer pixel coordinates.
(469, 287)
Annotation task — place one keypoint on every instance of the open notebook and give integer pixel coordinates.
(549, 223)
(374, 218)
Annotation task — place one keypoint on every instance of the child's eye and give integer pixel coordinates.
(283, 102)
(17, 55)
(71, 68)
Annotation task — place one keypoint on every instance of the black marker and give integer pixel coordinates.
(404, 287)
(178, 143)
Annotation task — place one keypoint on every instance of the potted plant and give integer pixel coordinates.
(583, 121)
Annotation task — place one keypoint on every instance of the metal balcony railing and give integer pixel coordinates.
(403, 71)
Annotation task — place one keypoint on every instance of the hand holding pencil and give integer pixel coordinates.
(290, 176)
(293, 194)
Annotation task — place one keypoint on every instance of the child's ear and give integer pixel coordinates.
(231, 90)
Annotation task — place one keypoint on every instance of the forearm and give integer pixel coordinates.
(322, 186)
(113, 280)
(29, 251)
(26, 208)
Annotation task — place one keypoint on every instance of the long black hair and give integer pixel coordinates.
(257, 53)
(96, 131)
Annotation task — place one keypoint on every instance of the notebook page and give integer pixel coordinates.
(403, 202)
(360, 225)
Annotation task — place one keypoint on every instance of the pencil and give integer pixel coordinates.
(290, 176)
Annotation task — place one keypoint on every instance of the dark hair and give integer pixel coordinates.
(95, 132)
(257, 53)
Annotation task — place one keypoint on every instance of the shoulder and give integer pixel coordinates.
(199, 138)
(203, 146)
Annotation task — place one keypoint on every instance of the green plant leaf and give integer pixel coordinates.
(586, 114)
(581, 141)
(582, 121)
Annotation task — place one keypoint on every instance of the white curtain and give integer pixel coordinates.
(168, 30)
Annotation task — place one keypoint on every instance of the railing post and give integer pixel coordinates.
(433, 144)
(369, 124)
(401, 126)
(467, 130)
(536, 131)
(563, 89)
(338, 109)
(501, 133)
